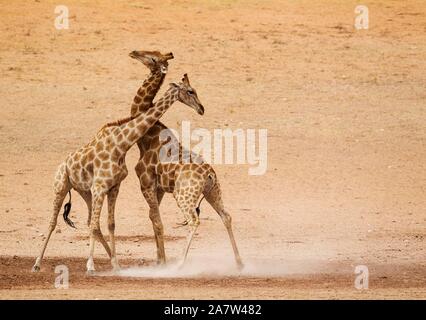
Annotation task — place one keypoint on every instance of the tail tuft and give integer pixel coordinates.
(67, 209)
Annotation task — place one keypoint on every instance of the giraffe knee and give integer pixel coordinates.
(226, 218)
(158, 227)
(96, 232)
(52, 226)
(111, 226)
(195, 222)
(156, 222)
(54, 220)
(153, 214)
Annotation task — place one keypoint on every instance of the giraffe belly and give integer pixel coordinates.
(165, 177)
(166, 186)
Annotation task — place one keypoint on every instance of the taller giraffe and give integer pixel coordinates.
(99, 167)
(158, 65)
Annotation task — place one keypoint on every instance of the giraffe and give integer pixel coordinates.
(98, 168)
(186, 181)
(158, 65)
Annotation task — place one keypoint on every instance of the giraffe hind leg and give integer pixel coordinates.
(214, 197)
(153, 197)
(61, 187)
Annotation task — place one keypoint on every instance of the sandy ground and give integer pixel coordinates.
(345, 112)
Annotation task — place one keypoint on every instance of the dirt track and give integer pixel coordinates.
(345, 112)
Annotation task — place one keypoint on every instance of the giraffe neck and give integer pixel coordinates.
(146, 93)
(136, 128)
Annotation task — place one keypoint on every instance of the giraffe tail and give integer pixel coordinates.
(67, 209)
(213, 180)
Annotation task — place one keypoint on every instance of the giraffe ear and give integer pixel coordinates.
(185, 79)
(169, 56)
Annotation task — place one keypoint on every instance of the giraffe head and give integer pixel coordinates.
(188, 95)
(154, 60)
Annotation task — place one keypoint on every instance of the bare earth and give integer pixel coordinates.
(345, 112)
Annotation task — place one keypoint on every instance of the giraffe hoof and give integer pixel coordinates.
(115, 265)
(90, 273)
(181, 265)
(240, 266)
(161, 261)
(35, 268)
(116, 268)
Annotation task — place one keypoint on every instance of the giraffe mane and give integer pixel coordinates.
(117, 122)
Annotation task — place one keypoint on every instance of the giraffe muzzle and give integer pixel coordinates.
(169, 56)
(200, 110)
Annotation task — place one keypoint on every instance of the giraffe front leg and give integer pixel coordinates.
(157, 224)
(153, 198)
(187, 200)
(112, 198)
(161, 255)
(193, 221)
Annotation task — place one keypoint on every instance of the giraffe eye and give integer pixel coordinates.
(153, 60)
(190, 92)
